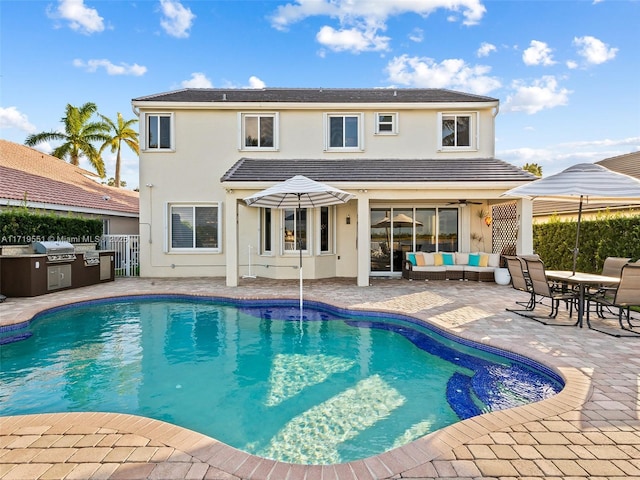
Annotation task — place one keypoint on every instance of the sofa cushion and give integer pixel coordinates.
(430, 268)
(437, 259)
(428, 259)
(448, 259)
(494, 260)
(474, 259)
(411, 257)
(419, 259)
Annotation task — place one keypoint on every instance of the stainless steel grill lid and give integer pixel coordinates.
(56, 251)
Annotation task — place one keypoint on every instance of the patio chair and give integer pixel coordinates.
(520, 281)
(612, 267)
(623, 297)
(544, 288)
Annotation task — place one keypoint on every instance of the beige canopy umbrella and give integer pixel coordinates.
(581, 182)
(298, 192)
(400, 220)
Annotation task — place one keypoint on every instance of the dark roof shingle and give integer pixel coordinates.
(316, 95)
(377, 170)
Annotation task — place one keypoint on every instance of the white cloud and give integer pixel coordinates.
(453, 73)
(197, 80)
(538, 53)
(255, 82)
(543, 93)
(351, 39)
(485, 49)
(416, 35)
(11, 117)
(177, 20)
(80, 17)
(594, 51)
(123, 69)
(572, 65)
(361, 20)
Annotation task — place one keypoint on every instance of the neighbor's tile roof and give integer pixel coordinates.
(26, 173)
(316, 95)
(380, 170)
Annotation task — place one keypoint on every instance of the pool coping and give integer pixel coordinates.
(405, 460)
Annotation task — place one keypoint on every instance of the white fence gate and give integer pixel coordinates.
(127, 253)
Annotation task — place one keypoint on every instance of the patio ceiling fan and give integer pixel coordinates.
(464, 203)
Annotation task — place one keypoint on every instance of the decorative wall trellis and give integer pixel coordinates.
(504, 232)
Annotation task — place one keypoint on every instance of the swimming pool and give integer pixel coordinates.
(333, 387)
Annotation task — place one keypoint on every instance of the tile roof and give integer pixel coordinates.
(377, 170)
(316, 95)
(41, 178)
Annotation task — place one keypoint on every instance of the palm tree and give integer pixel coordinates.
(78, 135)
(120, 132)
(533, 168)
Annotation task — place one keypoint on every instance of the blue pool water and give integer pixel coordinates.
(333, 387)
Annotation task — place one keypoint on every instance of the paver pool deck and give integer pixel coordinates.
(589, 430)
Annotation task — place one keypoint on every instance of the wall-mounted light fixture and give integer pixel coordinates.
(348, 219)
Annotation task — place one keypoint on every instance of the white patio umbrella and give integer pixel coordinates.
(298, 192)
(581, 182)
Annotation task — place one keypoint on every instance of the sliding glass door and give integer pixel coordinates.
(397, 230)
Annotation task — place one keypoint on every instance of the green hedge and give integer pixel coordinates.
(20, 226)
(606, 236)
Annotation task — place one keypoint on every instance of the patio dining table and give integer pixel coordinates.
(582, 280)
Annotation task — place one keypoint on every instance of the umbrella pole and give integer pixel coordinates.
(576, 250)
(299, 250)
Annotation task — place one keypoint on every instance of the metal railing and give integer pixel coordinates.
(127, 253)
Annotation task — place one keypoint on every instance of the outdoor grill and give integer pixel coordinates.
(56, 252)
(91, 258)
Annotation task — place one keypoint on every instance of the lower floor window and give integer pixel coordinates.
(295, 229)
(194, 227)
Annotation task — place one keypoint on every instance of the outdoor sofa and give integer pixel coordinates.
(476, 266)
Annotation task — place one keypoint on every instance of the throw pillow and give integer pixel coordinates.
(484, 260)
(419, 259)
(462, 258)
(429, 261)
(494, 260)
(474, 260)
(412, 259)
(447, 259)
(437, 259)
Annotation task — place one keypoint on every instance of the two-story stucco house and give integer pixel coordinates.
(425, 154)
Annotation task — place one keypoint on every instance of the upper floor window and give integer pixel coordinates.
(159, 131)
(457, 130)
(259, 131)
(386, 123)
(194, 227)
(344, 132)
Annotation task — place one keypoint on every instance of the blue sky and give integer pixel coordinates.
(565, 72)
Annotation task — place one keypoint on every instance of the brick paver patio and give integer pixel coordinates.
(590, 430)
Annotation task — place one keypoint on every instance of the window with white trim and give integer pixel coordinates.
(194, 227)
(457, 131)
(343, 131)
(159, 131)
(259, 131)
(326, 230)
(266, 229)
(386, 123)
